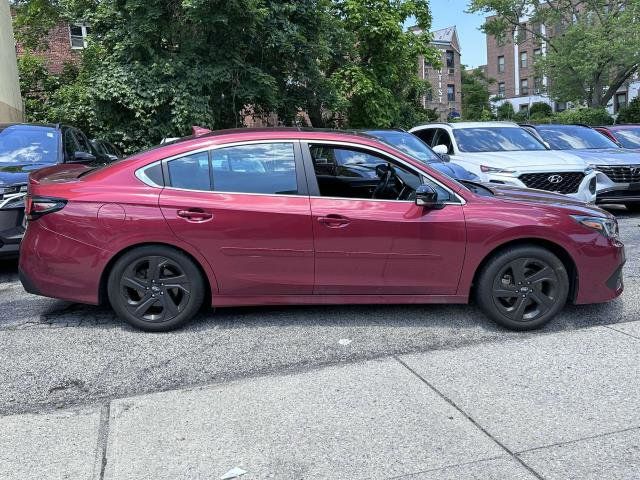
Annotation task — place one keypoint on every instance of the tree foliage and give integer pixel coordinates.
(593, 46)
(505, 111)
(630, 113)
(475, 95)
(154, 68)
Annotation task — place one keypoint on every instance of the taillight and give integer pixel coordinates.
(36, 207)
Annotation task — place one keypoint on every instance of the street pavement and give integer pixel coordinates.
(415, 392)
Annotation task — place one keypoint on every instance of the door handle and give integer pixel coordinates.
(195, 215)
(334, 221)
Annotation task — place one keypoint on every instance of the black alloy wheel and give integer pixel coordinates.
(155, 288)
(522, 288)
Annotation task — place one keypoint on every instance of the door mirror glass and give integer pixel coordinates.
(441, 149)
(426, 196)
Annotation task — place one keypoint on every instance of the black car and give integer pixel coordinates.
(106, 149)
(23, 149)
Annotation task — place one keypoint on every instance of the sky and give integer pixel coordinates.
(473, 44)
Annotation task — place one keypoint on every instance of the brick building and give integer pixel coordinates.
(64, 43)
(510, 61)
(446, 82)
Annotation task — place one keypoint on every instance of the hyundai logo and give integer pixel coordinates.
(635, 170)
(554, 178)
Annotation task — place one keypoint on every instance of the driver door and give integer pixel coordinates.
(371, 246)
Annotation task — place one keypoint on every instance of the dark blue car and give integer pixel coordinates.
(23, 149)
(413, 146)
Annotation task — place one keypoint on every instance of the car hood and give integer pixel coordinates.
(453, 170)
(542, 197)
(551, 160)
(12, 173)
(609, 156)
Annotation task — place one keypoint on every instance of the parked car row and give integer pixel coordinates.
(288, 216)
(25, 148)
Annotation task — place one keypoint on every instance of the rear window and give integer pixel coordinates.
(29, 144)
(190, 172)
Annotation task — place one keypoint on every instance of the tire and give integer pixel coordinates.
(522, 288)
(155, 288)
(633, 207)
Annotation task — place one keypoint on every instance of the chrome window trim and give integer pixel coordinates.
(146, 180)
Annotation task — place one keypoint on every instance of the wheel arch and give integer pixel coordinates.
(104, 277)
(555, 248)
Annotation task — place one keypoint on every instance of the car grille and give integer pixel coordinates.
(560, 182)
(623, 174)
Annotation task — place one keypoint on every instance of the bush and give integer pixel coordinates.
(540, 109)
(505, 111)
(630, 113)
(587, 116)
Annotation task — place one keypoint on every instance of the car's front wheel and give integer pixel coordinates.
(155, 288)
(522, 287)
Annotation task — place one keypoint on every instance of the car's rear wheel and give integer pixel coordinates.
(633, 207)
(522, 287)
(155, 288)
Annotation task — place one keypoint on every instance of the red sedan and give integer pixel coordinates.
(282, 216)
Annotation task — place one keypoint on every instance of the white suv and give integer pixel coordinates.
(505, 153)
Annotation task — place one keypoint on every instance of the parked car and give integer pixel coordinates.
(505, 153)
(106, 150)
(618, 169)
(412, 145)
(626, 136)
(23, 149)
(158, 233)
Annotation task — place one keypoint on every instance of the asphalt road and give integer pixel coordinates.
(57, 354)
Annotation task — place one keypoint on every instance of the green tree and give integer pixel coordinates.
(505, 111)
(376, 82)
(593, 46)
(630, 113)
(475, 94)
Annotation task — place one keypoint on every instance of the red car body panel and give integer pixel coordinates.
(291, 249)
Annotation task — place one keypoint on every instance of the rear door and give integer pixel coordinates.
(366, 245)
(245, 207)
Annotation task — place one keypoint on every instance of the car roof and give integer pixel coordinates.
(13, 124)
(462, 125)
(621, 127)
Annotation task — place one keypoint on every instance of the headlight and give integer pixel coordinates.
(487, 169)
(606, 226)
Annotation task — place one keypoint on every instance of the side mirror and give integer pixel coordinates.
(441, 149)
(83, 157)
(427, 197)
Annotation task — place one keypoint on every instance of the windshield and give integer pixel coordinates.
(629, 137)
(28, 144)
(407, 143)
(495, 139)
(574, 138)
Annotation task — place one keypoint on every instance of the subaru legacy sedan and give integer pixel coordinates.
(257, 217)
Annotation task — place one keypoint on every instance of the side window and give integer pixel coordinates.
(268, 168)
(190, 172)
(443, 138)
(70, 146)
(352, 173)
(83, 142)
(426, 135)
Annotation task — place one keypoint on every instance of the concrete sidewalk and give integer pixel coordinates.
(556, 406)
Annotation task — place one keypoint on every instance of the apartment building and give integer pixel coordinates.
(446, 82)
(11, 109)
(510, 61)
